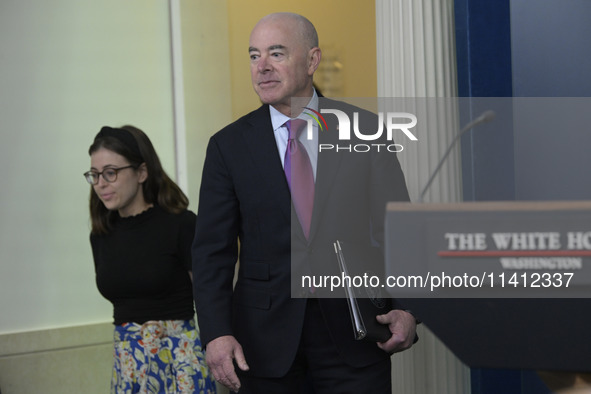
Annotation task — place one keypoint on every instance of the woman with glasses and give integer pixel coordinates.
(141, 242)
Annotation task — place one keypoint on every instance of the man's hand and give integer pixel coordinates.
(403, 327)
(219, 355)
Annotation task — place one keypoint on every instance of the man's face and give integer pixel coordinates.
(281, 65)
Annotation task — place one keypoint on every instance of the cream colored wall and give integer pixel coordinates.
(57, 361)
(69, 67)
(347, 32)
(206, 73)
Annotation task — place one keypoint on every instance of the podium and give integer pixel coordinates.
(508, 284)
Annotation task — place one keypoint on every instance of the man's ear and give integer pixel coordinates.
(314, 56)
(143, 172)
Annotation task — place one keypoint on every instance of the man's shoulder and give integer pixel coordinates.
(252, 119)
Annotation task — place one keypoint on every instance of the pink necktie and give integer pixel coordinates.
(300, 176)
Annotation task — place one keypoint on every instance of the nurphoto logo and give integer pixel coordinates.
(393, 121)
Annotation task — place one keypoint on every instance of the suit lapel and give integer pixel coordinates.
(260, 142)
(328, 166)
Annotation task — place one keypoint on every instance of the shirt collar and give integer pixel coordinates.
(278, 119)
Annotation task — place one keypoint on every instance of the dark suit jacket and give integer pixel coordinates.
(244, 196)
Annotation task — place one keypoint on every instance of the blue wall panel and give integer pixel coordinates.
(523, 48)
(483, 47)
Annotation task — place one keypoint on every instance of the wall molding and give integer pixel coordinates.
(16, 344)
(77, 359)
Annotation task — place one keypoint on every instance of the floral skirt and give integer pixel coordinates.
(159, 357)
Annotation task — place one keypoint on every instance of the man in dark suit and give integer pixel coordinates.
(276, 338)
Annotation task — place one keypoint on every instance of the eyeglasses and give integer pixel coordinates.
(109, 175)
